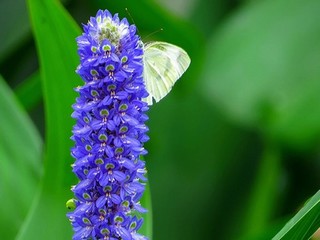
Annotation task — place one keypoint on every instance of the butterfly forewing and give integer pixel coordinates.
(164, 64)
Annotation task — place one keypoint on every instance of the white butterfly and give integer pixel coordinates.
(164, 64)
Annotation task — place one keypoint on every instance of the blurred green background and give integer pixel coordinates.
(235, 147)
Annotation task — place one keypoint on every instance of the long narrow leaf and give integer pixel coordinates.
(20, 165)
(264, 195)
(55, 34)
(304, 223)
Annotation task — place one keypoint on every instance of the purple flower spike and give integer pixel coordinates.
(110, 131)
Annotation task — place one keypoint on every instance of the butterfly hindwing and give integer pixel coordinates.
(164, 64)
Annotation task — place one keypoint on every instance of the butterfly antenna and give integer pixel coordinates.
(150, 34)
(131, 18)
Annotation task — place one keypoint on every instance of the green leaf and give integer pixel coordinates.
(212, 13)
(264, 197)
(55, 34)
(15, 29)
(262, 69)
(29, 92)
(304, 223)
(20, 154)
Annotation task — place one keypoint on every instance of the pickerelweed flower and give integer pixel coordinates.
(110, 131)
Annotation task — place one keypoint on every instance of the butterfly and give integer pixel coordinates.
(164, 64)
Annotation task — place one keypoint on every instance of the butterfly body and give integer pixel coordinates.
(164, 64)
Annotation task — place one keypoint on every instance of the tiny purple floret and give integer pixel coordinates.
(110, 131)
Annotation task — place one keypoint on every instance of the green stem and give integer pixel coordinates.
(264, 196)
(146, 228)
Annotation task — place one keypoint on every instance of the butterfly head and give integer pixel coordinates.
(140, 44)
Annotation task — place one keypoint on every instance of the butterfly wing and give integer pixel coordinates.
(164, 64)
